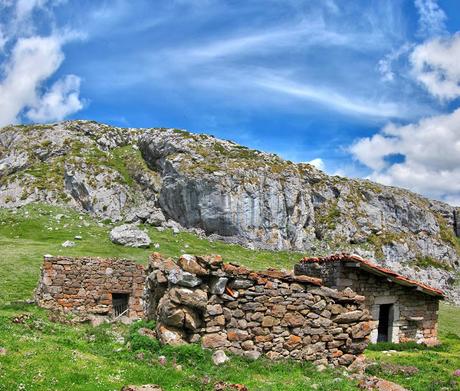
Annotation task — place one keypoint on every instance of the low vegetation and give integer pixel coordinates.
(42, 354)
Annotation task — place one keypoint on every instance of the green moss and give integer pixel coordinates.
(426, 261)
(447, 234)
(330, 217)
(183, 133)
(378, 241)
(45, 143)
(9, 199)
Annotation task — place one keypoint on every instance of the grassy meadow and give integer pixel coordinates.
(46, 355)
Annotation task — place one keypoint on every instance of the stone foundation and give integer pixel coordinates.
(85, 285)
(277, 314)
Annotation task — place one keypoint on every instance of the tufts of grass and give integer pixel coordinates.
(405, 346)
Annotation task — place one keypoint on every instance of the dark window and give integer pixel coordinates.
(385, 323)
(119, 303)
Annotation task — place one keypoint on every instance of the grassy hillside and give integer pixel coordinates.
(44, 355)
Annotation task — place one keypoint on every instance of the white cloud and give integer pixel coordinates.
(318, 163)
(385, 65)
(60, 101)
(431, 148)
(330, 98)
(436, 65)
(431, 18)
(30, 62)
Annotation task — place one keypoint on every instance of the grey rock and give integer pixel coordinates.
(180, 277)
(156, 218)
(195, 298)
(241, 284)
(217, 285)
(348, 317)
(130, 236)
(68, 243)
(219, 357)
(252, 354)
(145, 387)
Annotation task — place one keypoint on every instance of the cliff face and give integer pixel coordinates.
(177, 179)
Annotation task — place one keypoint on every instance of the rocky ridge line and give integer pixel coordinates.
(179, 180)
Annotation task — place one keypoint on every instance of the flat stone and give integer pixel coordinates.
(241, 284)
(189, 264)
(294, 319)
(180, 277)
(145, 387)
(348, 317)
(214, 341)
(195, 298)
(214, 309)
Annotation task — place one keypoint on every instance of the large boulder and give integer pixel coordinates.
(130, 236)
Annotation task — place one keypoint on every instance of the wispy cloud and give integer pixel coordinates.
(431, 18)
(332, 99)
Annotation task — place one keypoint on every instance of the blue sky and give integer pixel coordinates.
(361, 88)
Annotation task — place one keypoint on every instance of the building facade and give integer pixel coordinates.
(92, 286)
(403, 309)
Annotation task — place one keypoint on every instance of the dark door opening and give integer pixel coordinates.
(385, 315)
(119, 303)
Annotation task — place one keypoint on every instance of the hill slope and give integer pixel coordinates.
(214, 187)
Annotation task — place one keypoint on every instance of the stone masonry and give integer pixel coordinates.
(86, 285)
(226, 306)
(414, 306)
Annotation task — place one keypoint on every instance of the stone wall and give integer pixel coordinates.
(414, 314)
(85, 285)
(274, 313)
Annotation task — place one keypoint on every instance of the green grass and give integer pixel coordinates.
(436, 365)
(29, 233)
(44, 355)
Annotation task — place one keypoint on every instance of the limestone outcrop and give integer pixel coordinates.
(180, 180)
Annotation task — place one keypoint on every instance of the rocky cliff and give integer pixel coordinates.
(182, 180)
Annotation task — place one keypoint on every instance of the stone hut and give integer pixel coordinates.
(92, 286)
(279, 314)
(403, 309)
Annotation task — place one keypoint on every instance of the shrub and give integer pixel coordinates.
(142, 342)
(186, 354)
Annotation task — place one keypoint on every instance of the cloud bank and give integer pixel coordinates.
(423, 156)
(31, 59)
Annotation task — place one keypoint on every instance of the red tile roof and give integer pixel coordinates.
(372, 267)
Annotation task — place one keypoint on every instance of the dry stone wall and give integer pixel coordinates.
(85, 285)
(226, 306)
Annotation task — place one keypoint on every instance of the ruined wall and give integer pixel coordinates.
(85, 285)
(272, 313)
(414, 315)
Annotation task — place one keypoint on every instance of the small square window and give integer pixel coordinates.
(120, 303)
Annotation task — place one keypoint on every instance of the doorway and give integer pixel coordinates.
(120, 303)
(385, 323)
